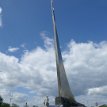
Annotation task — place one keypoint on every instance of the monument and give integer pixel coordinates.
(65, 96)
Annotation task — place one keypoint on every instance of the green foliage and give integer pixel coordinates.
(103, 106)
(5, 105)
(1, 100)
(14, 105)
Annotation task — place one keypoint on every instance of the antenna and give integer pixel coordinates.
(11, 98)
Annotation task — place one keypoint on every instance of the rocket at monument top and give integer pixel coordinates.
(52, 4)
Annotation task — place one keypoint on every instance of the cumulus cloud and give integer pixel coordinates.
(47, 41)
(98, 91)
(0, 10)
(85, 65)
(12, 49)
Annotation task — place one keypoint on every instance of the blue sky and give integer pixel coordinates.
(27, 55)
(23, 20)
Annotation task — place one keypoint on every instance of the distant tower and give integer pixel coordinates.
(46, 102)
(65, 97)
(11, 98)
(26, 105)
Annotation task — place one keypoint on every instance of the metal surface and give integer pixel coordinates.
(63, 85)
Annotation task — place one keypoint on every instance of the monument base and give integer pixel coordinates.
(67, 103)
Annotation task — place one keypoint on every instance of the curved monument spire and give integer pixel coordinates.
(63, 85)
(65, 97)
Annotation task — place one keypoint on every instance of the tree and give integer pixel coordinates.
(35, 106)
(1, 101)
(5, 105)
(15, 105)
(103, 105)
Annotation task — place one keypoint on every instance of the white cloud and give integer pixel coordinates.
(47, 41)
(0, 10)
(98, 91)
(23, 46)
(91, 100)
(0, 16)
(85, 65)
(12, 49)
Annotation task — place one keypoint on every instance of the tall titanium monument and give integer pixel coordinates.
(65, 96)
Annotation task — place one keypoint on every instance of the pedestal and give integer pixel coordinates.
(67, 103)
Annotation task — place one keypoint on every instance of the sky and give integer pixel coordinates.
(27, 62)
